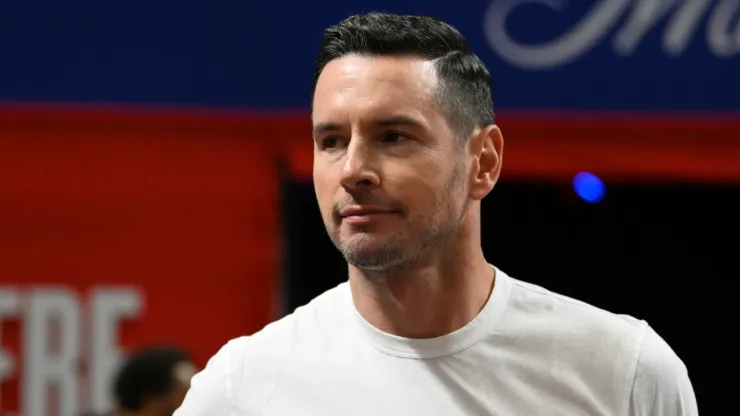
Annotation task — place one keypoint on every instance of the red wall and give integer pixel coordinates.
(184, 210)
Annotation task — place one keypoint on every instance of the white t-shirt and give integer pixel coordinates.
(528, 352)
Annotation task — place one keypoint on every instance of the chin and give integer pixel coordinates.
(370, 253)
(364, 242)
(360, 248)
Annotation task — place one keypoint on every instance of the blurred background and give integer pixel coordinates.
(155, 174)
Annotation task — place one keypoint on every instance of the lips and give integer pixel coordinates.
(359, 211)
(357, 215)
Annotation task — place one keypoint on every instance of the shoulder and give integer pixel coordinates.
(212, 389)
(254, 364)
(589, 346)
(561, 313)
(661, 384)
(608, 348)
(324, 314)
(321, 315)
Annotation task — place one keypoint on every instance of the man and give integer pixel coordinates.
(153, 382)
(405, 149)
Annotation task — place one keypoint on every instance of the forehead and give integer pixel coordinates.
(359, 85)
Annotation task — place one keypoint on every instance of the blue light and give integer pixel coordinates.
(589, 187)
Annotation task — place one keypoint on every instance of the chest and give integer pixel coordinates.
(467, 385)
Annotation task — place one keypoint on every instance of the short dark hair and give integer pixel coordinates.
(464, 92)
(145, 375)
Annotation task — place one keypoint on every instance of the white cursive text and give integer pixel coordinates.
(684, 19)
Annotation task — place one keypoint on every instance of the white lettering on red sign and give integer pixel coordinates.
(61, 337)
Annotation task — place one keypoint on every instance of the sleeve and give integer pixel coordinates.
(661, 385)
(212, 390)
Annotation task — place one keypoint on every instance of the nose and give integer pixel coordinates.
(359, 170)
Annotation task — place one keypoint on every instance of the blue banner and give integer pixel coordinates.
(638, 55)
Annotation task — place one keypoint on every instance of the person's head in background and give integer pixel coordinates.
(153, 382)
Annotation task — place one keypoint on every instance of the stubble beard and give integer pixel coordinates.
(397, 251)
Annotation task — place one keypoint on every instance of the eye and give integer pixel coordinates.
(330, 142)
(394, 137)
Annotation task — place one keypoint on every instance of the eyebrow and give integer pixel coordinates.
(324, 127)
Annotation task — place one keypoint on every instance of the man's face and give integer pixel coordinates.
(387, 174)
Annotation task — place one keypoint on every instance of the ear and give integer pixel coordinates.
(487, 147)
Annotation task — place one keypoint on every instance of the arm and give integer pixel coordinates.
(661, 386)
(212, 390)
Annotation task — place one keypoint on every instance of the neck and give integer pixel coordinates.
(429, 298)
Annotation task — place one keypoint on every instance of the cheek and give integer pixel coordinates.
(422, 193)
(436, 193)
(324, 196)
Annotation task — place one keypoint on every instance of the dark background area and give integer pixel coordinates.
(659, 252)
